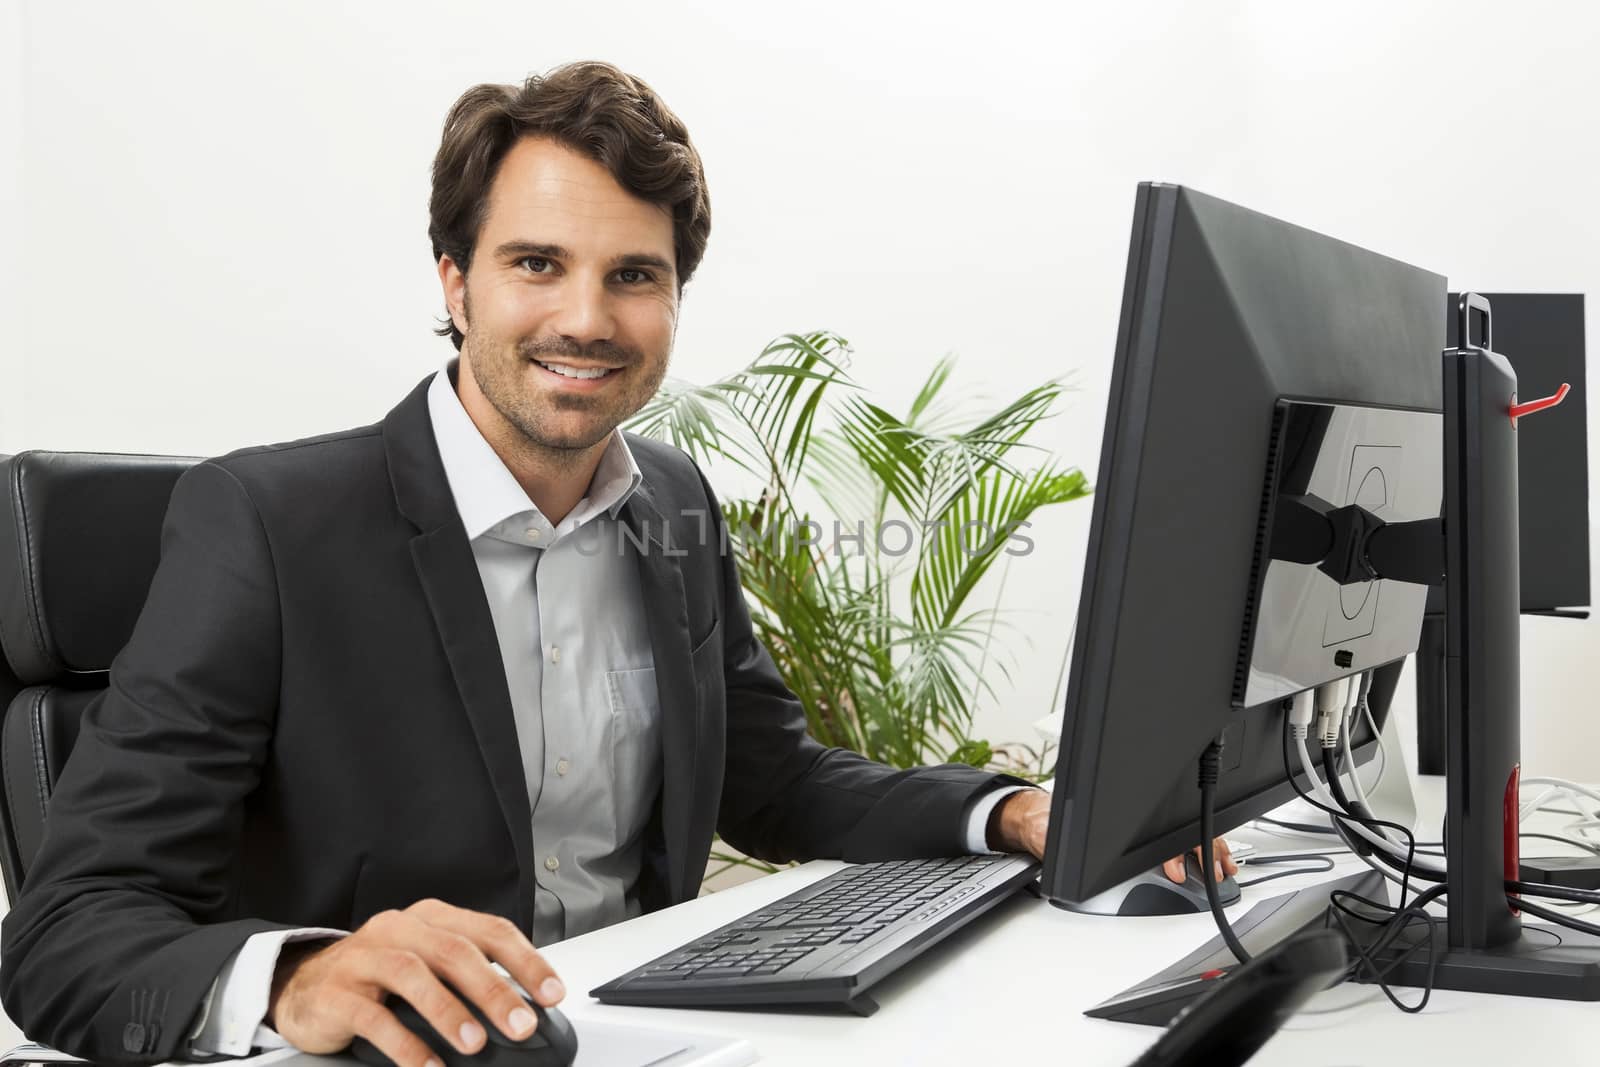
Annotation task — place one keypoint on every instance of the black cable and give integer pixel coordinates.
(1552, 915)
(1298, 827)
(1554, 892)
(1391, 921)
(1392, 924)
(1326, 865)
(1405, 869)
(1330, 768)
(1209, 760)
(1330, 771)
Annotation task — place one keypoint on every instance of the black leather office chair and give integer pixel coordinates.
(80, 536)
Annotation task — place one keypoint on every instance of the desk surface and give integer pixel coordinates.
(1013, 986)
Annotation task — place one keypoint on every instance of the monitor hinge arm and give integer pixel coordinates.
(1351, 544)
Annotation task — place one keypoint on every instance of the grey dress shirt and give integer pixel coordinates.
(570, 620)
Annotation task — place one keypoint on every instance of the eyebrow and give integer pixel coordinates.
(519, 249)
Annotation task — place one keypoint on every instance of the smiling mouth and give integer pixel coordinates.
(578, 373)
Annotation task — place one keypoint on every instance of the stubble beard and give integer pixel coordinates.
(500, 370)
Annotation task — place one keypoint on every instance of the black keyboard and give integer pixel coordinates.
(827, 943)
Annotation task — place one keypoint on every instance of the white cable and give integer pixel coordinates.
(1349, 756)
(1383, 750)
(1574, 787)
(1300, 713)
(1559, 789)
(1331, 698)
(1377, 838)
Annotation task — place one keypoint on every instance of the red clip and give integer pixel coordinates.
(1519, 410)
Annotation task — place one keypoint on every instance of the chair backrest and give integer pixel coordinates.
(80, 536)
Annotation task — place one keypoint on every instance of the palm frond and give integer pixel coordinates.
(898, 683)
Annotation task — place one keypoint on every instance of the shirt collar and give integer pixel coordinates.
(486, 493)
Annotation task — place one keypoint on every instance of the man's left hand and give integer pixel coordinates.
(1022, 821)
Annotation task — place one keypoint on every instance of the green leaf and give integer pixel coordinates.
(884, 653)
(973, 752)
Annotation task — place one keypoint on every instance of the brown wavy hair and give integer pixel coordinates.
(607, 114)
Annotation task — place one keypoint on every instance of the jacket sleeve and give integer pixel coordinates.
(126, 916)
(786, 797)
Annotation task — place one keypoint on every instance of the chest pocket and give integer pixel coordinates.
(635, 743)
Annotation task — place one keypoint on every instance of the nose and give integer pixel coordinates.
(584, 314)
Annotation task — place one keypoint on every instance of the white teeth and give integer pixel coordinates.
(575, 372)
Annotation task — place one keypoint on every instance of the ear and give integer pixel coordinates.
(454, 283)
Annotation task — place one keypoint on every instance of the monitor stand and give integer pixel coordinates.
(1485, 947)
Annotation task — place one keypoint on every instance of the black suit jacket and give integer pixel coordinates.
(311, 724)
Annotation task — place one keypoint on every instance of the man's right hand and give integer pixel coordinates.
(323, 999)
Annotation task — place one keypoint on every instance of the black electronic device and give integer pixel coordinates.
(826, 944)
(1245, 1007)
(1153, 893)
(1571, 872)
(1262, 371)
(1486, 946)
(1267, 517)
(1157, 1000)
(553, 1043)
(1542, 336)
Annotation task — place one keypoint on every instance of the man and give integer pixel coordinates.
(379, 687)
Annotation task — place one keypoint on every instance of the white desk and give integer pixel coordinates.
(1013, 987)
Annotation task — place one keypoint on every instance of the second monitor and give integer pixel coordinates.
(1262, 372)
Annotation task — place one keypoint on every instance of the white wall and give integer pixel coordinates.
(12, 405)
(223, 239)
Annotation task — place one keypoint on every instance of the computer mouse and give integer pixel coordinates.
(1153, 893)
(553, 1042)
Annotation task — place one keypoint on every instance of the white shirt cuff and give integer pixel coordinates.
(978, 819)
(230, 1017)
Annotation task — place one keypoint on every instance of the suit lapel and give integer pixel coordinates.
(454, 592)
(667, 612)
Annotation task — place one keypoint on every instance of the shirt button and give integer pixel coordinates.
(551, 863)
(555, 654)
(563, 766)
(532, 532)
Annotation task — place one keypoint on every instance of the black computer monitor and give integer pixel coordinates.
(1542, 336)
(1260, 369)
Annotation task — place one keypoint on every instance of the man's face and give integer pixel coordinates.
(570, 304)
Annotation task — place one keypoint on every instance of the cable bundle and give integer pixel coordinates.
(1382, 937)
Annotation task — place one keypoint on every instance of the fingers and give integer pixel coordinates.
(419, 973)
(1216, 864)
(470, 940)
(378, 1025)
(1222, 864)
(1225, 858)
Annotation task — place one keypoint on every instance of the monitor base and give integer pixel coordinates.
(1550, 962)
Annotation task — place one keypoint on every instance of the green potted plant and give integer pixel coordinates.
(865, 535)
